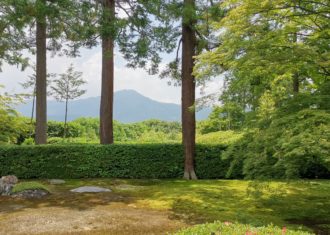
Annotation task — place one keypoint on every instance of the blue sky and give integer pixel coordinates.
(90, 64)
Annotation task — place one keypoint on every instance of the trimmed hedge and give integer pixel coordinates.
(111, 161)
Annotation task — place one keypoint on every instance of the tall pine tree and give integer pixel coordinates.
(57, 26)
(195, 37)
(137, 29)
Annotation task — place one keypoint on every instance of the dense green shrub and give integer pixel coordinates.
(29, 141)
(13, 127)
(56, 129)
(237, 229)
(147, 131)
(219, 137)
(296, 145)
(229, 116)
(113, 161)
(86, 130)
(91, 127)
(76, 140)
(55, 140)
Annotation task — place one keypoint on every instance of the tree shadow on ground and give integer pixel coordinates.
(293, 204)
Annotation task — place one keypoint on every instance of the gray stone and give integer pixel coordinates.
(7, 183)
(56, 181)
(9, 179)
(90, 189)
(31, 193)
(5, 189)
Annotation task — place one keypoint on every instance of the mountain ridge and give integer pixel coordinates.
(129, 106)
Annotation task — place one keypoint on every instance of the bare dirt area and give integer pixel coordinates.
(64, 212)
(114, 219)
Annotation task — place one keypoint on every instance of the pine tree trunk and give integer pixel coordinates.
(188, 94)
(295, 84)
(41, 85)
(33, 103)
(65, 119)
(106, 109)
(32, 112)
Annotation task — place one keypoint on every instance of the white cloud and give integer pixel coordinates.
(90, 64)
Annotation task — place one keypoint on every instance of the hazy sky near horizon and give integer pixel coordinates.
(90, 64)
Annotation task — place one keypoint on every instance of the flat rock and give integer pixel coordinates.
(31, 193)
(90, 189)
(56, 181)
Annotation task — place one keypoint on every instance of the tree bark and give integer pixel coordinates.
(41, 84)
(188, 93)
(33, 103)
(295, 84)
(32, 111)
(65, 119)
(106, 109)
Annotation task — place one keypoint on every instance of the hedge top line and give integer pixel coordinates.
(119, 145)
(109, 161)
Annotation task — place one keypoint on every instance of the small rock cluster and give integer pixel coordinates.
(31, 193)
(7, 183)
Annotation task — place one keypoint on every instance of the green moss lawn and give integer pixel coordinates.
(171, 205)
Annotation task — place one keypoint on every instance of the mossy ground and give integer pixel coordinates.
(29, 185)
(170, 205)
(227, 228)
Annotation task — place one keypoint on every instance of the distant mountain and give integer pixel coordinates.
(129, 106)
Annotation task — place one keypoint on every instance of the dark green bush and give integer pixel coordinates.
(55, 140)
(56, 129)
(113, 161)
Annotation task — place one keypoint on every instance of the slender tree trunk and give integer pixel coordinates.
(229, 122)
(33, 102)
(106, 109)
(32, 111)
(66, 119)
(295, 84)
(188, 93)
(41, 85)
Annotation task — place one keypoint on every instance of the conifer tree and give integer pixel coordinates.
(57, 26)
(137, 29)
(12, 37)
(195, 37)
